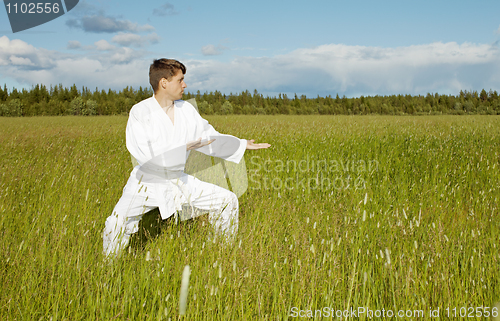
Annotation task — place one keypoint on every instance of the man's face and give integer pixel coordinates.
(174, 88)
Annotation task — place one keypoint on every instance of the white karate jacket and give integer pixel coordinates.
(159, 147)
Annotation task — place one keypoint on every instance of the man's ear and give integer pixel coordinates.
(162, 83)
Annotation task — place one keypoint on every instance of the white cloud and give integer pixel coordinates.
(211, 50)
(15, 47)
(167, 9)
(103, 45)
(74, 44)
(127, 39)
(446, 68)
(134, 40)
(498, 31)
(355, 70)
(20, 61)
(102, 24)
(126, 56)
(114, 68)
(20, 53)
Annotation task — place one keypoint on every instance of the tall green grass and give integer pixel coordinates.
(409, 221)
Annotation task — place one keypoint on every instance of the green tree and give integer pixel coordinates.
(90, 108)
(469, 107)
(483, 96)
(4, 94)
(12, 108)
(77, 106)
(226, 108)
(205, 108)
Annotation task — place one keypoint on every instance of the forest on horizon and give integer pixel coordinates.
(59, 100)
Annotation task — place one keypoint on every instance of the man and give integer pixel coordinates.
(161, 130)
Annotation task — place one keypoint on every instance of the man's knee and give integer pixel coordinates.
(112, 222)
(114, 236)
(230, 207)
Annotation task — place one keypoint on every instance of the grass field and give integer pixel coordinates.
(386, 214)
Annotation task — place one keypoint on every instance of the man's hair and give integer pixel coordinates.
(164, 68)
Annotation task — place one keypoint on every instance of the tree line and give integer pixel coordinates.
(59, 100)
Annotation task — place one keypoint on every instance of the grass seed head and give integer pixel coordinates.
(184, 290)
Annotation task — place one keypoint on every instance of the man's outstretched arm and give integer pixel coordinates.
(250, 144)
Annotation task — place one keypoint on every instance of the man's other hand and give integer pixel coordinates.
(198, 143)
(252, 145)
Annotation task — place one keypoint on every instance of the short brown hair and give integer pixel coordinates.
(164, 68)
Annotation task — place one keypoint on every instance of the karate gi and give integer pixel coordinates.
(159, 181)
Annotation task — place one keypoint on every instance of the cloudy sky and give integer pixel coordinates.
(316, 47)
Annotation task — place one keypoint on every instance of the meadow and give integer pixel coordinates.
(397, 215)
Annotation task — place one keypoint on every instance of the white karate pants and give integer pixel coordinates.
(221, 204)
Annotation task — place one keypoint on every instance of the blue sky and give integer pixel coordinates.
(315, 48)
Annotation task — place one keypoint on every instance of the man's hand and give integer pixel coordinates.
(251, 145)
(198, 143)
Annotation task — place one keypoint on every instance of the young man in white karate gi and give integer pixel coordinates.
(161, 130)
